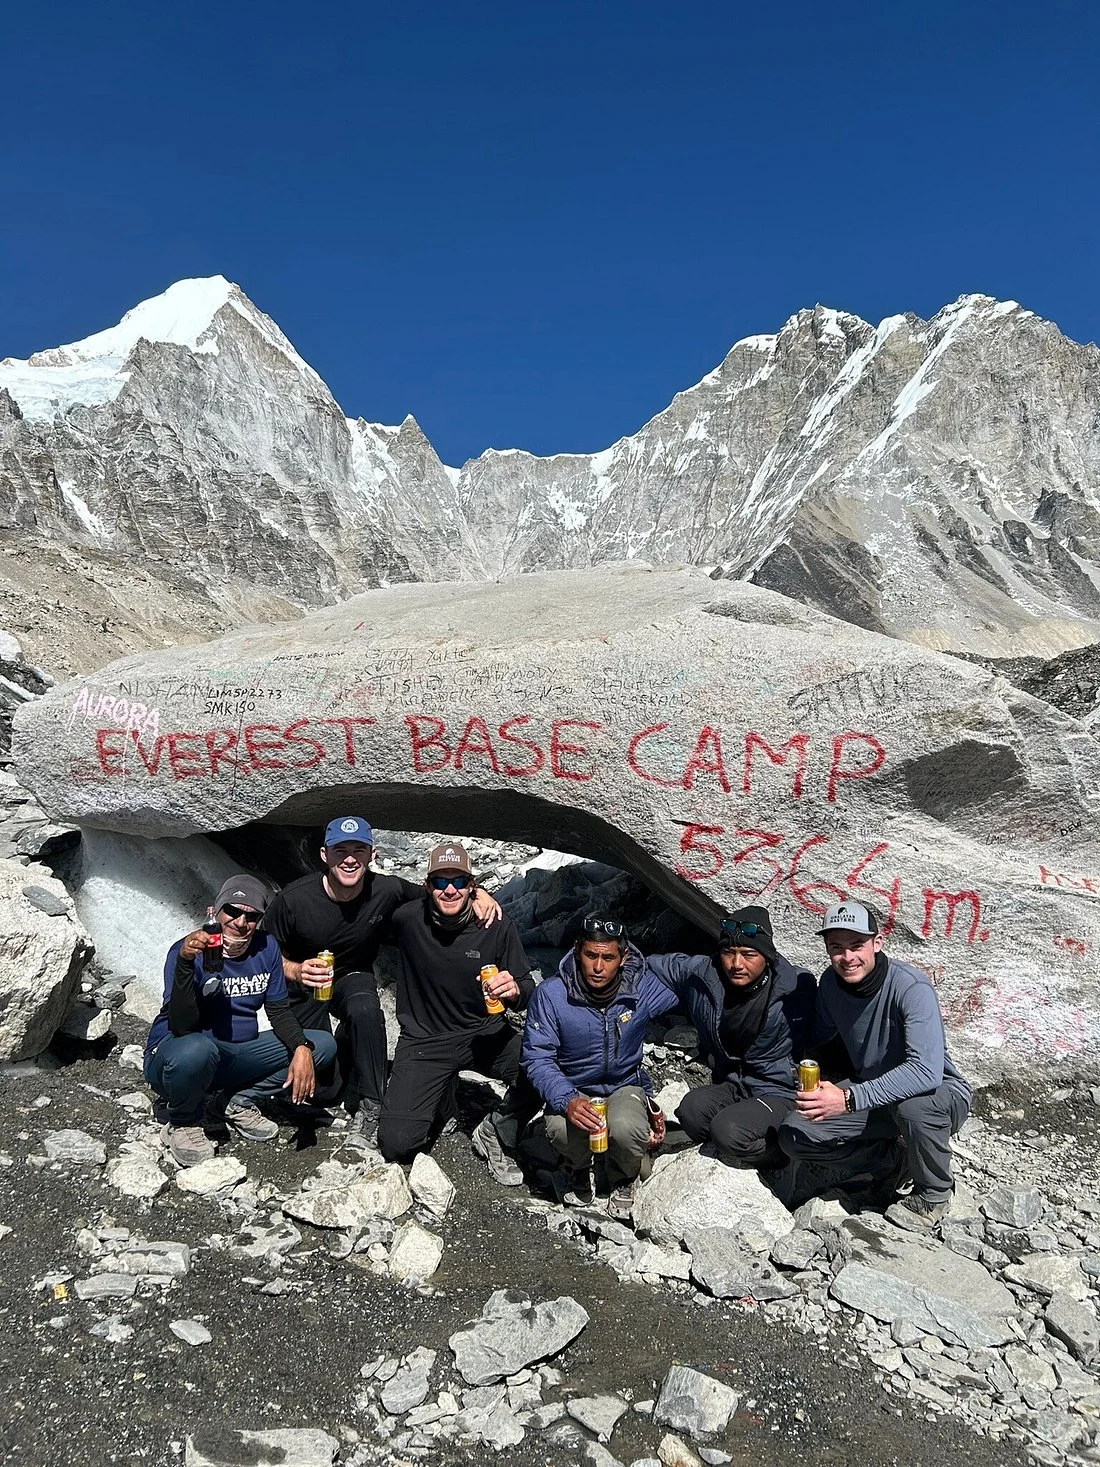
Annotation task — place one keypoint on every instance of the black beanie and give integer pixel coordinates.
(760, 942)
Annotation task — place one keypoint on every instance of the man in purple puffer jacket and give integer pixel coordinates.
(583, 1040)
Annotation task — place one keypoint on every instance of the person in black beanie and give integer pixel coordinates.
(752, 1009)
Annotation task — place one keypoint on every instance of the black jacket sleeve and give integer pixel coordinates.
(183, 1004)
(518, 964)
(284, 1025)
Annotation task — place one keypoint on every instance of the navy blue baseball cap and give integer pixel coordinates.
(348, 827)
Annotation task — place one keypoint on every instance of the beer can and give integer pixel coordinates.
(492, 1005)
(597, 1140)
(325, 993)
(809, 1075)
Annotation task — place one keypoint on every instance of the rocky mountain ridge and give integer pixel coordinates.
(936, 480)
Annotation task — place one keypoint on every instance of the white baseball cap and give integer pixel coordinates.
(849, 917)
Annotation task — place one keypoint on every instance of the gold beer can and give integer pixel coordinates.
(492, 1005)
(325, 992)
(809, 1074)
(597, 1140)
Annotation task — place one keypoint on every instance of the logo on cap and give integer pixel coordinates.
(349, 825)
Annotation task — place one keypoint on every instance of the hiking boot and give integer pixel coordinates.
(621, 1202)
(486, 1144)
(250, 1124)
(917, 1214)
(363, 1125)
(578, 1186)
(188, 1145)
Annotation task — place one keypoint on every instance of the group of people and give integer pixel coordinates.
(881, 1116)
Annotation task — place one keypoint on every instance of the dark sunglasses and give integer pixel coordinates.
(441, 883)
(729, 931)
(596, 925)
(236, 913)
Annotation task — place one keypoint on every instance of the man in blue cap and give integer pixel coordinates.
(345, 909)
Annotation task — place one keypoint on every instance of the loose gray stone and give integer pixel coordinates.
(135, 1176)
(1014, 1205)
(430, 1185)
(888, 1298)
(599, 1456)
(415, 1253)
(714, 1457)
(1048, 1273)
(349, 1202)
(170, 1259)
(231, 1447)
(107, 1286)
(46, 901)
(687, 1186)
(1075, 1324)
(693, 1402)
(511, 1333)
(74, 1146)
(665, 1263)
(86, 1022)
(725, 1268)
(501, 1429)
(797, 1249)
(219, 1174)
(673, 1452)
(943, 1293)
(598, 1413)
(190, 1331)
(407, 1388)
(113, 1330)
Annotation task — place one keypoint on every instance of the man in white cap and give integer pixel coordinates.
(903, 1098)
(345, 908)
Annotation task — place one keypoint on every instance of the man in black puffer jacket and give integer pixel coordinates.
(752, 1009)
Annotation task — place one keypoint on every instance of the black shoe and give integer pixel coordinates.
(364, 1123)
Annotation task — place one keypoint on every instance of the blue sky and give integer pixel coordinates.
(530, 224)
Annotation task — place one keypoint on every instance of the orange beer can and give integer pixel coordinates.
(492, 1005)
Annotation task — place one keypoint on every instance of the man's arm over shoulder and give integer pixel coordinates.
(518, 964)
(675, 970)
(541, 1043)
(182, 997)
(921, 1072)
(799, 1006)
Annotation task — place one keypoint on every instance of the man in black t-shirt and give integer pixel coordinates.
(345, 908)
(447, 1019)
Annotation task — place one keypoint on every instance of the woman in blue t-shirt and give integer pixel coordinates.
(207, 1037)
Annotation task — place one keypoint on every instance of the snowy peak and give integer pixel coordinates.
(93, 371)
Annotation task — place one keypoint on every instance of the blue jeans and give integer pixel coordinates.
(185, 1068)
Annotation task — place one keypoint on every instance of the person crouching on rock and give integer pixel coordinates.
(206, 1037)
(904, 1099)
(450, 1020)
(752, 1009)
(583, 1041)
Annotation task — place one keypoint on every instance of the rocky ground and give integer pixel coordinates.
(832, 1342)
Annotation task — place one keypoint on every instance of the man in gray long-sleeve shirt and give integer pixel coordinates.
(903, 1084)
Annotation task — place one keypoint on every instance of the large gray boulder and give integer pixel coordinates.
(511, 1332)
(718, 740)
(688, 1192)
(43, 949)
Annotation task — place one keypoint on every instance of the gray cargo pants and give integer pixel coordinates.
(925, 1123)
(627, 1137)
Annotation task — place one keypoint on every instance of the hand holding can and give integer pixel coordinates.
(493, 1004)
(597, 1140)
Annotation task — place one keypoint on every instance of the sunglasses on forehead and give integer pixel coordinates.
(237, 913)
(441, 883)
(729, 931)
(602, 926)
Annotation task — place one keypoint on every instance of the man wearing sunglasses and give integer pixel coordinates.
(345, 909)
(446, 1025)
(902, 1099)
(752, 1009)
(583, 1041)
(206, 1037)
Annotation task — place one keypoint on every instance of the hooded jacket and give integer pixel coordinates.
(768, 1065)
(572, 1048)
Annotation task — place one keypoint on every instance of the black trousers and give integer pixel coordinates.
(744, 1128)
(422, 1079)
(360, 1072)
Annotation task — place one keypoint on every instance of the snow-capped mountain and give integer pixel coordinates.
(937, 480)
